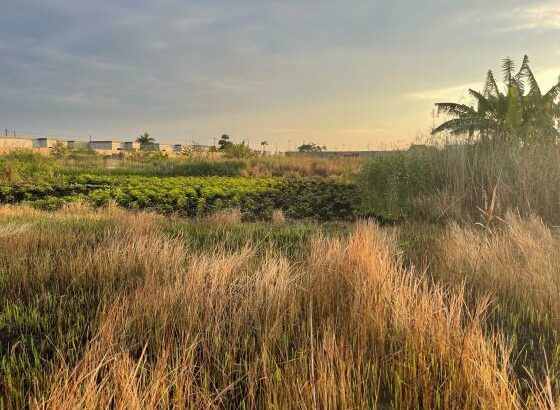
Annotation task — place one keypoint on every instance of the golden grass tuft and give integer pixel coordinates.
(517, 262)
(222, 219)
(278, 217)
(12, 229)
(302, 166)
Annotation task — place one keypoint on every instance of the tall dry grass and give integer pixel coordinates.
(302, 167)
(346, 326)
(517, 262)
(463, 183)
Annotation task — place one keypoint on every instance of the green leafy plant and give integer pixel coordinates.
(311, 147)
(520, 114)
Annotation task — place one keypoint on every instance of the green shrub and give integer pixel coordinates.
(25, 165)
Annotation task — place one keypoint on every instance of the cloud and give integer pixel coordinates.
(545, 77)
(538, 17)
(511, 17)
(436, 94)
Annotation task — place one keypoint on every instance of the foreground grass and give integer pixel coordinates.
(518, 264)
(113, 309)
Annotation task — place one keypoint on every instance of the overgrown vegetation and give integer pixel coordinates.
(471, 183)
(25, 165)
(168, 168)
(507, 158)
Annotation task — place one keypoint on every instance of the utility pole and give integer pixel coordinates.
(6, 133)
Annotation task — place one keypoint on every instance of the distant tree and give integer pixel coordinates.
(521, 114)
(238, 151)
(58, 150)
(145, 139)
(311, 147)
(224, 142)
(263, 145)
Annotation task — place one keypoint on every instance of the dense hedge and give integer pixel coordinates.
(322, 199)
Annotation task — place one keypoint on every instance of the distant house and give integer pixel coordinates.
(105, 145)
(130, 146)
(45, 142)
(76, 144)
(178, 148)
(13, 143)
(158, 146)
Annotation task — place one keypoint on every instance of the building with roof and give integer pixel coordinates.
(8, 144)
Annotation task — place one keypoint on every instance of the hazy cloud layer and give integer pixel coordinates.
(359, 72)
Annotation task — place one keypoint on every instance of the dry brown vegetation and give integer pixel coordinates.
(302, 166)
(135, 316)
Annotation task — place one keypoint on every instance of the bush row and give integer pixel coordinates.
(315, 198)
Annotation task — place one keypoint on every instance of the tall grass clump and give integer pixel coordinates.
(302, 166)
(517, 263)
(253, 167)
(470, 182)
(20, 166)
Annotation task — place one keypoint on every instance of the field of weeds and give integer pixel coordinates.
(112, 309)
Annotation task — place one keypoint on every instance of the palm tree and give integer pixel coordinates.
(263, 145)
(521, 114)
(145, 139)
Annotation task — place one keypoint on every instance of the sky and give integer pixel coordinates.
(355, 74)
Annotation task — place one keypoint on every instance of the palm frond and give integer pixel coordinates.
(490, 86)
(450, 108)
(507, 68)
(525, 73)
(554, 92)
(465, 125)
(484, 104)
